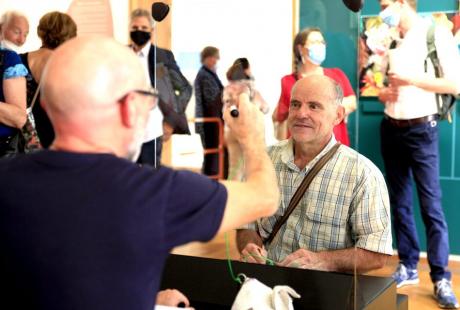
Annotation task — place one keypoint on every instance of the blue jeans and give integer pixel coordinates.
(412, 152)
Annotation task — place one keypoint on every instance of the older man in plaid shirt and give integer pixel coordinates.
(343, 219)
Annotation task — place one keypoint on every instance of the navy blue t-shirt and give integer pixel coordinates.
(92, 231)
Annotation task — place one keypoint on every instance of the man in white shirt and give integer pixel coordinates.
(409, 133)
(170, 116)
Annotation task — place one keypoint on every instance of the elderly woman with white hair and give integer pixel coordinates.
(12, 100)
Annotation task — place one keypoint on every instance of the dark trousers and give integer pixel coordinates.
(210, 140)
(151, 153)
(412, 152)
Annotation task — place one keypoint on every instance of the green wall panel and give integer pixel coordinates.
(372, 7)
(449, 148)
(456, 150)
(341, 31)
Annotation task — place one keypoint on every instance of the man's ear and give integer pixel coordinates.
(340, 115)
(128, 111)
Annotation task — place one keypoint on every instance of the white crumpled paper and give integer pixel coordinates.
(255, 295)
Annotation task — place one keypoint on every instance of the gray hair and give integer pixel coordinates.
(338, 93)
(143, 13)
(8, 16)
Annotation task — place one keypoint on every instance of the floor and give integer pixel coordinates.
(420, 296)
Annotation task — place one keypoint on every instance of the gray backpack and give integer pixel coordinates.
(445, 102)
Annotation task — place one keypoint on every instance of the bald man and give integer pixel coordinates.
(81, 226)
(14, 29)
(345, 206)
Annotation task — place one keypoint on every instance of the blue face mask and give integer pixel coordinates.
(390, 17)
(317, 53)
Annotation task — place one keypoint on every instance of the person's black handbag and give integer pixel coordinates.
(12, 145)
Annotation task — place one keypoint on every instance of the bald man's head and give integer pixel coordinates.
(88, 89)
(90, 72)
(320, 84)
(315, 109)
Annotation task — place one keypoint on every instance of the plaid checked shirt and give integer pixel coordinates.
(346, 205)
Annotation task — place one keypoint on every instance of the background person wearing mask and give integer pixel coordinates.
(309, 50)
(410, 143)
(14, 29)
(164, 120)
(208, 95)
(53, 29)
(12, 99)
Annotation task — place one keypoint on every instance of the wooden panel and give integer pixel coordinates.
(92, 16)
(163, 29)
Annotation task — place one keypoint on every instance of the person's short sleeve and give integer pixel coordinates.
(370, 217)
(195, 208)
(12, 65)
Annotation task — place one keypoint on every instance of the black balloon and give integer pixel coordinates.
(354, 5)
(159, 11)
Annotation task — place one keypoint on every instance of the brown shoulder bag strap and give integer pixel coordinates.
(301, 190)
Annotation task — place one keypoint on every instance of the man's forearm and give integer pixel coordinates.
(12, 115)
(349, 260)
(435, 85)
(245, 236)
(259, 170)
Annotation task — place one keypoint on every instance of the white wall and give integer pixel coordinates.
(260, 30)
(34, 9)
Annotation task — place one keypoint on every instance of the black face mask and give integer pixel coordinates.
(140, 37)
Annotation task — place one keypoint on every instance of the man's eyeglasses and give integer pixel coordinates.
(152, 93)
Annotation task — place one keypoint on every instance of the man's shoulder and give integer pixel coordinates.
(163, 55)
(203, 74)
(63, 161)
(362, 165)
(163, 50)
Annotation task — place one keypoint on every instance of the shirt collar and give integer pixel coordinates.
(287, 155)
(144, 52)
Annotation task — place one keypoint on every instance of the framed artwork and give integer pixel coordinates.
(377, 38)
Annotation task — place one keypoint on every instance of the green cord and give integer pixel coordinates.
(227, 250)
(229, 261)
(267, 260)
